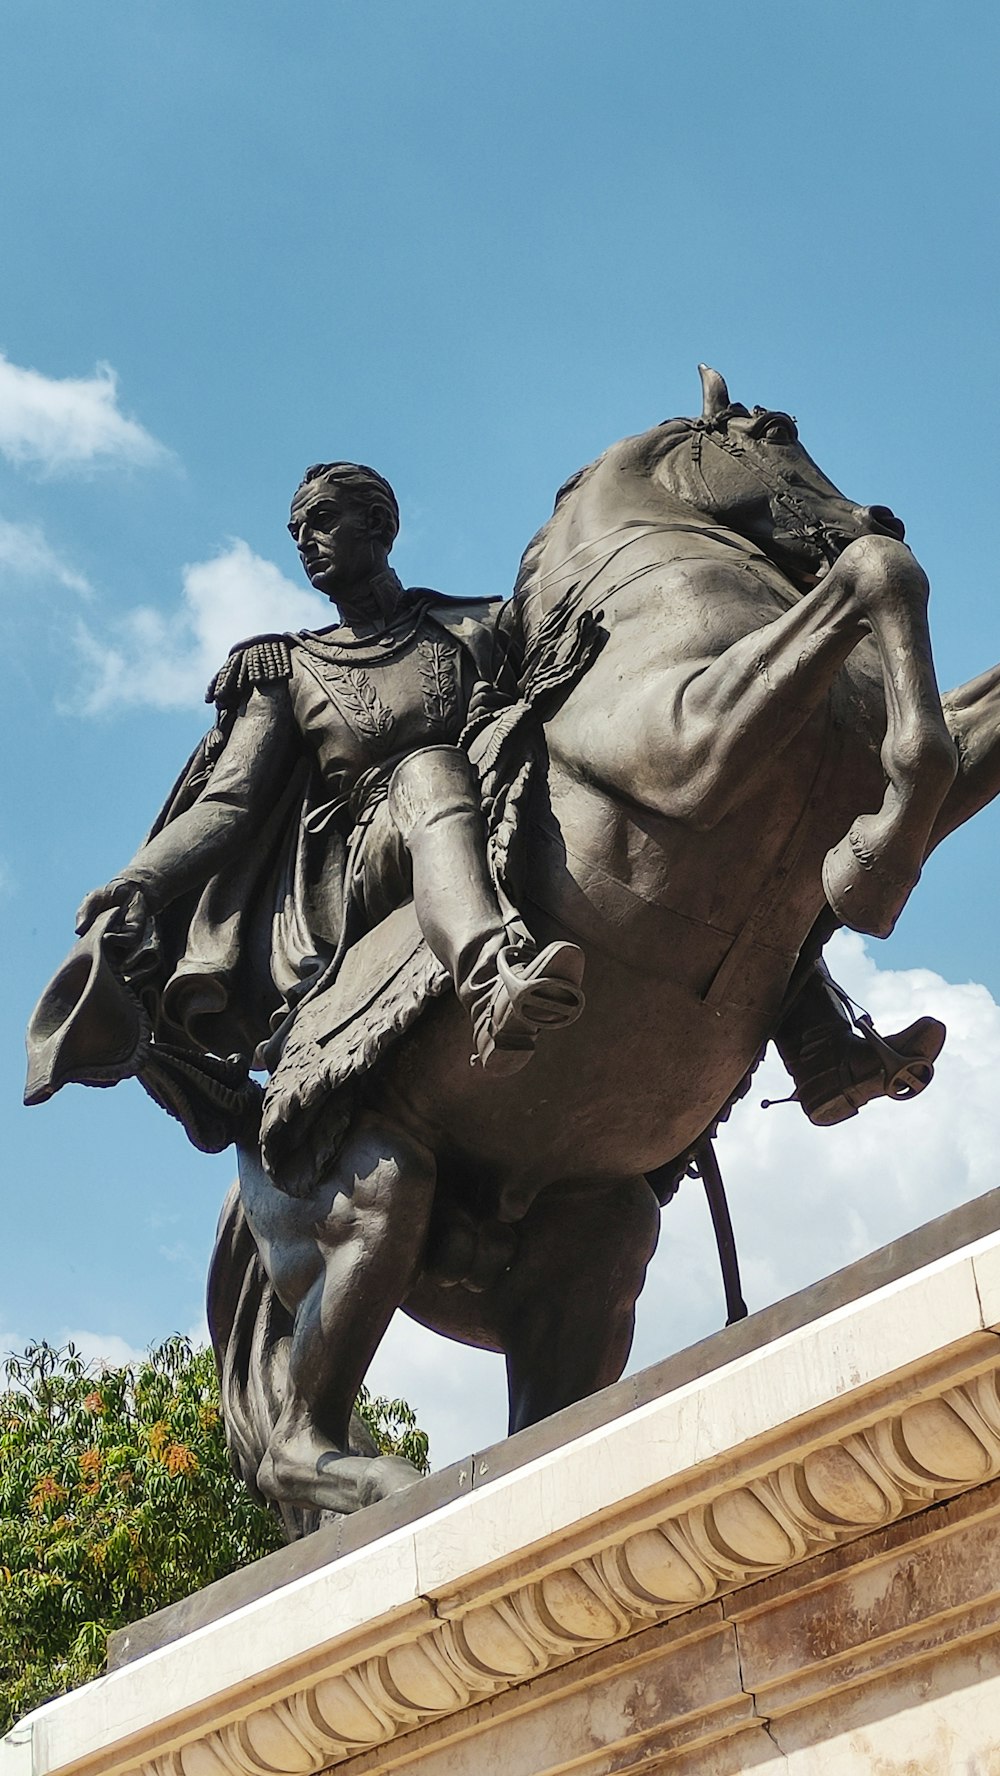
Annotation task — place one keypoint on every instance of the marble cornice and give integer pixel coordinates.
(941, 1446)
(850, 1425)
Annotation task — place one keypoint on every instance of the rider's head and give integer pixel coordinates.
(344, 521)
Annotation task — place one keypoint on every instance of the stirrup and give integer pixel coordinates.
(528, 997)
(899, 1067)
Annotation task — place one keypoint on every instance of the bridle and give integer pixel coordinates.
(805, 524)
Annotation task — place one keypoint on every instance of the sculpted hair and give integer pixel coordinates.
(367, 488)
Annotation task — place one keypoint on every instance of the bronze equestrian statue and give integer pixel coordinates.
(704, 731)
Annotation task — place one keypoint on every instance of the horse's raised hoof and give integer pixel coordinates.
(866, 894)
(527, 998)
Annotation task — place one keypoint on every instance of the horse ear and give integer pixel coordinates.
(714, 393)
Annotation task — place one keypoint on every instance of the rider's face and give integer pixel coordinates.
(336, 541)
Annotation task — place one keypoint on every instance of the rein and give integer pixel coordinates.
(776, 487)
(727, 539)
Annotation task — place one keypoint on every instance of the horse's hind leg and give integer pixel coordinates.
(565, 1311)
(340, 1261)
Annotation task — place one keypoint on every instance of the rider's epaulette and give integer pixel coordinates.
(264, 660)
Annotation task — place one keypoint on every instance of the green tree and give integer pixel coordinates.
(117, 1498)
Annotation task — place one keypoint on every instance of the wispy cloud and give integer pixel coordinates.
(26, 555)
(11, 1345)
(165, 659)
(103, 1347)
(72, 422)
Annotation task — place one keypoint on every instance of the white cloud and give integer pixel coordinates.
(58, 423)
(166, 659)
(25, 555)
(103, 1347)
(459, 1394)
(805, 1201)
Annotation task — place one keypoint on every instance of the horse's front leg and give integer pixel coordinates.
(972, 713)
(710, 729)
(868, 875)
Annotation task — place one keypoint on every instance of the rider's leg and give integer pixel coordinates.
(341, 1261)
(510, 994)
(566, 1308)
(835, 1069)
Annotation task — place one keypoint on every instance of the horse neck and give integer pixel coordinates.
(603, 539)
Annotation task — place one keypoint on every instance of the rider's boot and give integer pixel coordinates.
(838, 1070)
(511, 990)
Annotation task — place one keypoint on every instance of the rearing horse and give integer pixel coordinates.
(760, 736)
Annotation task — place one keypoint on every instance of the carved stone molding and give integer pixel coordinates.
(839, 1490)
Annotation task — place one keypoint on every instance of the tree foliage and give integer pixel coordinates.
(117, 1498)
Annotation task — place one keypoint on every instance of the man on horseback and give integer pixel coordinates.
(377, 705)
(336, 785)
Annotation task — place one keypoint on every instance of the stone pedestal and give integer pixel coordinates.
(777, 1552)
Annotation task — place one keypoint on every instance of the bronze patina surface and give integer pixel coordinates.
(591, 839)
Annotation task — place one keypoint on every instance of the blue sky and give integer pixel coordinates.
(471, 245)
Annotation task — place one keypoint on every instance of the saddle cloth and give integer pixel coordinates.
(381, 987)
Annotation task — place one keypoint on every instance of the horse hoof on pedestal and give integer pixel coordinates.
(387, 1474)
(865, 894)
(298, 1473)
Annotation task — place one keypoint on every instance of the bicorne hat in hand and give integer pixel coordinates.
(87, 1027)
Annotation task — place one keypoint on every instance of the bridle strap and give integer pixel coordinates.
(776, 487)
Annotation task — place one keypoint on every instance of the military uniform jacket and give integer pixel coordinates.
(244, 868)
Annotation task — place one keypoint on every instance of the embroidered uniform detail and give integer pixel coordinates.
(438, 682)
(360, 701)
(262, 661)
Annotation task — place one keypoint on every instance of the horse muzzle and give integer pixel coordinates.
(882, 521)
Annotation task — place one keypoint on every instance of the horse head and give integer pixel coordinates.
(747, 471)
(734, 469)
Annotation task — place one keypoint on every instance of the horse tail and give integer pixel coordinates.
(251, 1332)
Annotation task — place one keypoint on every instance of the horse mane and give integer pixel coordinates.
(527, 573)
(670, 433)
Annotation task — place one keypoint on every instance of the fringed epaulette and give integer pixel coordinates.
(264, 660)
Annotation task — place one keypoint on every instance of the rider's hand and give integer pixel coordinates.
(124, 894)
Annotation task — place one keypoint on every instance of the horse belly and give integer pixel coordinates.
(624, 1090)
(629, 1086)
